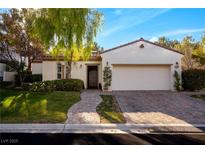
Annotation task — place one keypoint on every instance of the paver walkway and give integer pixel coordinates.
(84, 112)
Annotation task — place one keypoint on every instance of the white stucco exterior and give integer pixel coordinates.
(36, 68)
(149, 55)
(2, 69)
(78, 71)
(139, 65)
(49, 70)
(9, 76)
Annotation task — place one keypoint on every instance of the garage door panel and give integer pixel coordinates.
(141, 78)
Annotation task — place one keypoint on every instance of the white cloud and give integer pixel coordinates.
(111, 30)
(153, 39)
(118, 12)
(177, 32)
(131, 18)
(182, 31)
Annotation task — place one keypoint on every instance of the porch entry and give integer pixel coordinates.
(92, 77)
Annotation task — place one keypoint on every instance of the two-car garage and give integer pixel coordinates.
(142, 65)
(141, 77)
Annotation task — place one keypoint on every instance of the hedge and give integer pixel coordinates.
(59, 85)
(193, 79)
(29, 78)
(5, 84)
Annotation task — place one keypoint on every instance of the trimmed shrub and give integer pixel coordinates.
(36, 77)
(28, 78)
(26, 86)
(177, 82)
(45, 86)
(5, 84)
(59, 85)
(193, 79)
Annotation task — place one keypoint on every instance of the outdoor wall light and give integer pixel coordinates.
(177, 65)
(142, 46)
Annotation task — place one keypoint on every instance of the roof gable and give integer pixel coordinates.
(141, 39)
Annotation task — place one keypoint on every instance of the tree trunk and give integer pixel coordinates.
(20, 78)
(29, 64)
(69, 67)
(68, 70)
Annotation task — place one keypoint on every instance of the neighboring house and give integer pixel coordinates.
(138, 65)
(2, 70)
(8, 74)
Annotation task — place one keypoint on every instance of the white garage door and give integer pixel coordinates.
(133, 77)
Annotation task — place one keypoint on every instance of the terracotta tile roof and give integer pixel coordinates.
(41, 58)
(141, 39)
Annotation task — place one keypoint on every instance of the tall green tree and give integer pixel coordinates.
(97, 47)
(167, 42)
(194, 51)
(163, 41)
(68, 32)
(36, 49)
(187, 47)
(16, 45)
(199, 51)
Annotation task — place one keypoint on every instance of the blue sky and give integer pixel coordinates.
(125, 25)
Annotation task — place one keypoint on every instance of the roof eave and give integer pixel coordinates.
(141, 39)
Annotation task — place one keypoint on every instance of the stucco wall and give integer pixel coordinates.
(149, 55)
(8, 76)
(2, 69)
(49, 69)
(36, 68)
(79, 70)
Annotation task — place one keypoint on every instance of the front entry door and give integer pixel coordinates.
(92, 77)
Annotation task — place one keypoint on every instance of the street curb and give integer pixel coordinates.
(102, 128)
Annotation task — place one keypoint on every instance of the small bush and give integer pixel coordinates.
(59, 85)
(36, 77)
(107, 77)
(177, 82)
(28, 78)
(26, 86)
(45, 86)
(5, 84)
(193, 79)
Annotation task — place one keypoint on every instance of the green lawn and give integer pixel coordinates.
(35, 107)
(199, 96)
(109, 110)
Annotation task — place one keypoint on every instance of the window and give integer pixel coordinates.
(67, 73)
(59, 76)
(1, 75)
(94, 53)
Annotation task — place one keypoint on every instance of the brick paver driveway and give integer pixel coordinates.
(161, 107)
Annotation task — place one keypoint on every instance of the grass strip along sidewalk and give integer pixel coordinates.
(109, 110)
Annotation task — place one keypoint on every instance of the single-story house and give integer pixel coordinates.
(138, 65)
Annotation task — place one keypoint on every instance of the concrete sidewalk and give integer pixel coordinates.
(101, 128)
